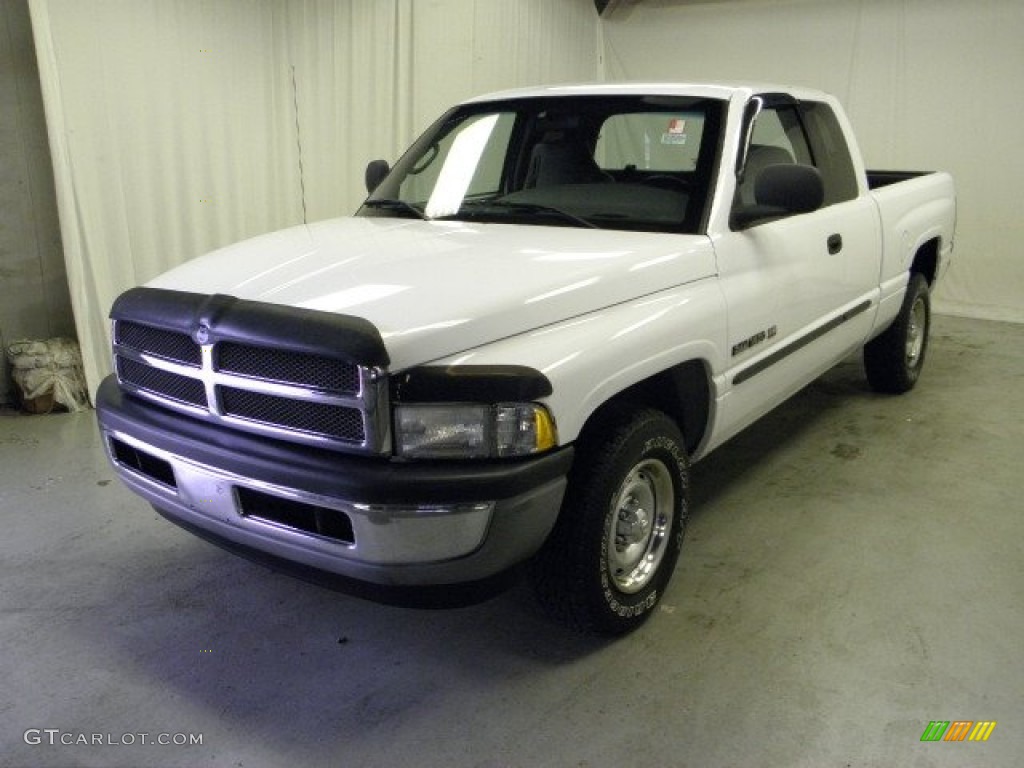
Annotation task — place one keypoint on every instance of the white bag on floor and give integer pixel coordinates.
(50, 367)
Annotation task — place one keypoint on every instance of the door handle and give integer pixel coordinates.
(835, 244)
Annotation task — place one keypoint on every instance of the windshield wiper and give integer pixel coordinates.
(396, 205)
(527, 208)
(482, 208)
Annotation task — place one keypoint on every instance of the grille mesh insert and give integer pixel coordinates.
(163, 383)
(170, 345)
(333, 421)
(288, 367)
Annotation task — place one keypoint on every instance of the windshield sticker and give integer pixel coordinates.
(676, 133)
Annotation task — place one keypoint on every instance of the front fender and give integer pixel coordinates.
(591, 358)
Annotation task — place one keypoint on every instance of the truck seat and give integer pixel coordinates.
(759, 158)
(561, 158)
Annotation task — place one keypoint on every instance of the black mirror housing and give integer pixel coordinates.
(794, 188)
(376, 170)
(782, 190)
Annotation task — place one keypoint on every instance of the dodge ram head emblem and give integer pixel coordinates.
(202, 335)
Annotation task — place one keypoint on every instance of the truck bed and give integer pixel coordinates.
(879, 179)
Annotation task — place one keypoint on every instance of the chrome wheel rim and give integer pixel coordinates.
(639, 524)
(916, 332)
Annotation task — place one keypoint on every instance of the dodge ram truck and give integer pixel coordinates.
(554, 301)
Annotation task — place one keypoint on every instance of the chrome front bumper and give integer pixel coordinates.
(352, 518)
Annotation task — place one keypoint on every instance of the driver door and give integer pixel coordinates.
(798, 289)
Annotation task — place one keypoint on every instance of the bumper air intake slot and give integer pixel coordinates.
(322, 521)
(142, 463)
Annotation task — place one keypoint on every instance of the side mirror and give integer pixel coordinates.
(782, 190)
(376, 170)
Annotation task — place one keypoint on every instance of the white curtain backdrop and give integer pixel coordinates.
(178, 126)
(929, 84)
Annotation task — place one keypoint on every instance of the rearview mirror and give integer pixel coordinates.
(782, 190)
(376, 170)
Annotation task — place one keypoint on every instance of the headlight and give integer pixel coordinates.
(472, 431)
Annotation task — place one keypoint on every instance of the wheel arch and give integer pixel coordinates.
(926, 260)
(683, 392)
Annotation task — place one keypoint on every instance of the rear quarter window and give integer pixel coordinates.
(831, 152)
(651, 141)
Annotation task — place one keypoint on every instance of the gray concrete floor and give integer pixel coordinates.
(854, 570)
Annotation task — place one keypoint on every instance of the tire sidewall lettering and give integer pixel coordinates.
(669, 452)
(573, 575)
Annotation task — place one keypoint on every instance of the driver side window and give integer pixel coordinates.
(778, 139)
(781, 128)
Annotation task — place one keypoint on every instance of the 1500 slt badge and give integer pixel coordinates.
(753, 341)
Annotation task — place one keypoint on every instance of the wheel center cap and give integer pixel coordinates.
(634, 523)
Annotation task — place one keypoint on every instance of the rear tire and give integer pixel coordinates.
(615, 545)
(893, 361)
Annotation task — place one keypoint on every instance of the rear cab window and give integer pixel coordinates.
(651, 141)
(831, 152)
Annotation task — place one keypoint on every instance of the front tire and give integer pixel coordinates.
(893, 360)
(613, 550)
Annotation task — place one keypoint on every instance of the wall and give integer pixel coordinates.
(929, 84)
(34, 300)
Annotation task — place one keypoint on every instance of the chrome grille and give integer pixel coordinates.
(290, 395)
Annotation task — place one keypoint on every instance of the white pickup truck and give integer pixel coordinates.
(555, 301)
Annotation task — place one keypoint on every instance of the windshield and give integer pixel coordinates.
(613, 162)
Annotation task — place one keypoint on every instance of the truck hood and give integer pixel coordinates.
(435, 289)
